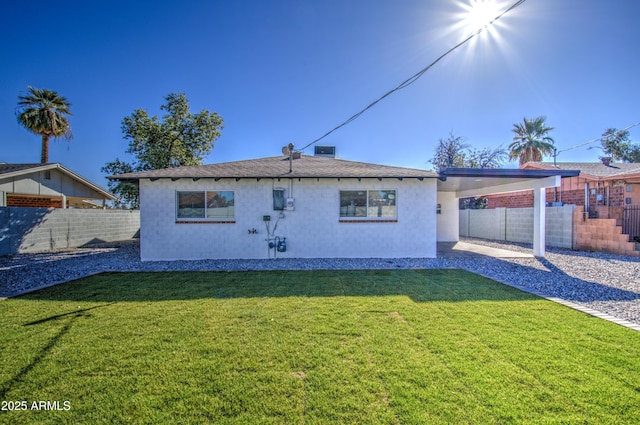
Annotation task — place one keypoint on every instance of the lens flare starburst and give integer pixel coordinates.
(480, 14)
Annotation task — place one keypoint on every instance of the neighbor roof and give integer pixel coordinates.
(278, 167)
(591, 169)
(15, 170)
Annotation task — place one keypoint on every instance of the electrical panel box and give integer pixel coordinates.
(290, 204)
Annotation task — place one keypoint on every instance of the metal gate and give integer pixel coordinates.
(631, 222)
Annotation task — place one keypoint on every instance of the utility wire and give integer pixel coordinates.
(415, 76)
(596, 140)
(557, 152)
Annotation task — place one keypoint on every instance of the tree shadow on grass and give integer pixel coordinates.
(72, 317)
(423, 285)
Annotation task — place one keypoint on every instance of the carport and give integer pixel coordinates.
(457, 183)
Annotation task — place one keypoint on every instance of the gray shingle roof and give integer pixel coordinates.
(274, 167)
(595, 169)
(11, 168)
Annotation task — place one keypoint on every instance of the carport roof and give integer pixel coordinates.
(481, 179)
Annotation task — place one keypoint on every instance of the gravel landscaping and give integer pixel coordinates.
(603, 282)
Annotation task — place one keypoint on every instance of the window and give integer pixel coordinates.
(215, 205)
(278, 199)
(373, 204)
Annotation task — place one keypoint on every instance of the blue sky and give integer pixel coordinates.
(282, 71)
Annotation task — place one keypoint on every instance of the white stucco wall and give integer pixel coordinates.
(313, 229)
(448, 219)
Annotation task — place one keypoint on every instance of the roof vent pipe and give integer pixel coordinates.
(290, 149)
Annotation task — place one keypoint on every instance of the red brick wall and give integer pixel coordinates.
(617, 194)
(573, 197)
(524, 199)
(33, 202)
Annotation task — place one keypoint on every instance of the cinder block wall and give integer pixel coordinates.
(487, 224)
(519, 225)
(41, 229)
(516, 225)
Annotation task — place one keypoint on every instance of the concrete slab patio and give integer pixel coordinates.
(469, 250)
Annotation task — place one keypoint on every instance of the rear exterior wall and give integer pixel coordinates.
(312, 230)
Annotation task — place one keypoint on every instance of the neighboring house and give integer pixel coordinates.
(312, 207)
(48, 186)
(607, 196)
(599, 184)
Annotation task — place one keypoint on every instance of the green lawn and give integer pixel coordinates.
(381, 347)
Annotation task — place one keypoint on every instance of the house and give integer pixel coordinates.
(48, 186)
(600, 184)
(607, 199)
(312, 207)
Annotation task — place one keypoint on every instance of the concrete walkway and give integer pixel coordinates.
(469, 250)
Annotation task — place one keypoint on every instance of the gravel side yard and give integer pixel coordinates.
(604, 282)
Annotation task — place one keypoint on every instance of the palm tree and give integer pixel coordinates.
(44, 112)
(531, 140)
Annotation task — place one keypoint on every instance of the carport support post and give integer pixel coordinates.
(539, 242)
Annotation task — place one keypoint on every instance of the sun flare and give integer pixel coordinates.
(479, 14)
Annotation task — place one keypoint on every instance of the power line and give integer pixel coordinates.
(557, 152)
(595, 140)
(415, 76)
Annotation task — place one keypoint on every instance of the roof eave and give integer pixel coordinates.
(131, 179)
(501, 172)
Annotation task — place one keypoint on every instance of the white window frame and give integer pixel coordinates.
(284, 198)
(368, 218)
(204, 218)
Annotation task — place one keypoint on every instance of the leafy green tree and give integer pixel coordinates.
(45, 113)
(615, 143)
(618, 145)
(127, 192)
(180, 138)
(634, 153)
(531, 140)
